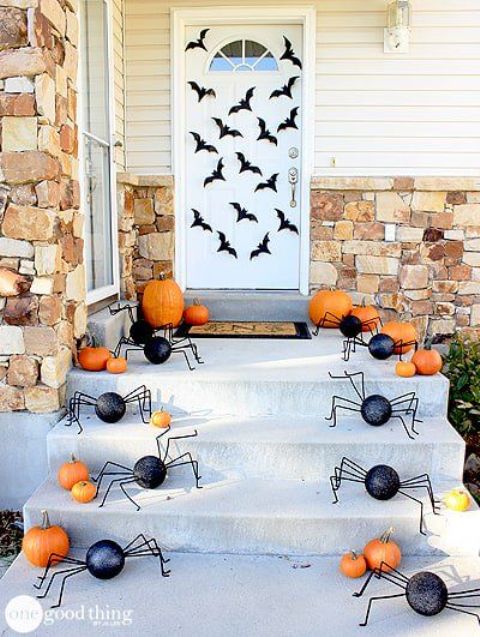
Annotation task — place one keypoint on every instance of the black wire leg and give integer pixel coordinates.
(69, 573)
(352, 471)
(335, 406)
(53, 559)
(459, 609)
(143, 396)
(103, 472)
(122, 487)
(180, 350)
(169, 440)
(71, 418)
(109, 488)
(404, 425)
(423, 482)
(190, 461)
(375, 599)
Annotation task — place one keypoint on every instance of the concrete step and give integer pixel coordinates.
(257, 516)
(216, 595)
(246, 377)
(249, 305)
(304, 447)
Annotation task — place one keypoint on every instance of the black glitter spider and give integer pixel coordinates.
(380, 346)
(376, 410)
(156, 344)
(382, 483)
(148, 472)
(110, 406)
(426, 593)
(351, 327)
(104, 560)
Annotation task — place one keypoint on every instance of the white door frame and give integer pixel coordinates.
(179, 19)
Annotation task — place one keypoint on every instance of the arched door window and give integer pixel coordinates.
(244, 55)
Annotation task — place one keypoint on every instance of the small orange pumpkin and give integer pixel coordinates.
(427, 360)
(84, 491)
(93, 359)
(405, 369)
(72, 472)
(40, 542)
(383, 549)
(161, 419)
(353, 565)
(329, 307)
(404, 334)
(117, 365)
(162, 302)
(369, 316)
(196, 314)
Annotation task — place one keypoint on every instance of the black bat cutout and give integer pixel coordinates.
(262, 248)
(290, 121)
(289, 53)
(242, 213)
(247, 166)
(271, 183)
(225, 245)
(226, 131)
(217, 174)
(202, 144)
(285, 223)
(286, 88)
(201, 91)
(244, 104)
(198, 44)
(265, 133)
(199, 221)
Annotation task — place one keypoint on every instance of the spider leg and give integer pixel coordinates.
(52, 560)
(350, 377)
(71, 418)
(459, 609)
(114, 481)
(103, 472)
(133, 348)
(78, 399)
(124, 340)
(400, 344)
(150, 547)
(471, 592)
(347, 471)
(130, 548)
(412, 407)
(422, 482)
(377, 598)
(404, 425)
(67, 573)
(393, 576)
(336, 405)
(190, 461)
(181, 350)
(422, 522)
(122, 487)
(169, 440)
(324, 321)
(143, 396)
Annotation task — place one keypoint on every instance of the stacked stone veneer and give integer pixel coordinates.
(411, 245)
(40, 222)
(146, 230)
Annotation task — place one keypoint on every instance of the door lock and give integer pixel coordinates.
(293, 152)
(293, 180)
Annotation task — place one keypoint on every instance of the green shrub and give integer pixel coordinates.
(463, 370)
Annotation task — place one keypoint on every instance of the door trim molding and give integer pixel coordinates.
(179, 19)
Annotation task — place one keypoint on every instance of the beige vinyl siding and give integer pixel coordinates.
(117, 7)
(375, 113)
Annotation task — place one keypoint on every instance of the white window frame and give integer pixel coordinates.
(99, 294)
(179, 20)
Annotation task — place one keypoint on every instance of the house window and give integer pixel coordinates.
(97, 151)
(244, 55)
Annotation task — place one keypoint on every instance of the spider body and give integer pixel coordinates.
(382, 482)
(158, 350)
(376, 410)
(426, 593)
(141, 332)
(148, 472)
(104, 560)
(109, 407)
(381, 347)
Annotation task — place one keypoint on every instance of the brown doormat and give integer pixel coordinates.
(246, 329)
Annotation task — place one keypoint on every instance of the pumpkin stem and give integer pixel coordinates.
(73, 458)
(45, 519)
(428, 343)
(385, 538)
(354, 555)
(162, 276)
(196, 302)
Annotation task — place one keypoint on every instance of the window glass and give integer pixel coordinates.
(244, 55)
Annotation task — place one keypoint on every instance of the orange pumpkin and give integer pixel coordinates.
(196, 314)
(40, 542)
(94, 359)
(329, 307)
(427, 360)
(405, 369)
(161, 419)
(404, 334)
(84, 491)
(383, 549)
(369, 316)
(117, 365)
(163, 303)
(72, 472)
(353, 565)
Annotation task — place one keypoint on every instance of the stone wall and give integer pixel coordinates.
(411, 245)
(40, 222)
(146, 230)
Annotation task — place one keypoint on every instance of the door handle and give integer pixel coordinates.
(293, 180)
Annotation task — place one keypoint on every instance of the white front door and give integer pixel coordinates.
(243, 156)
